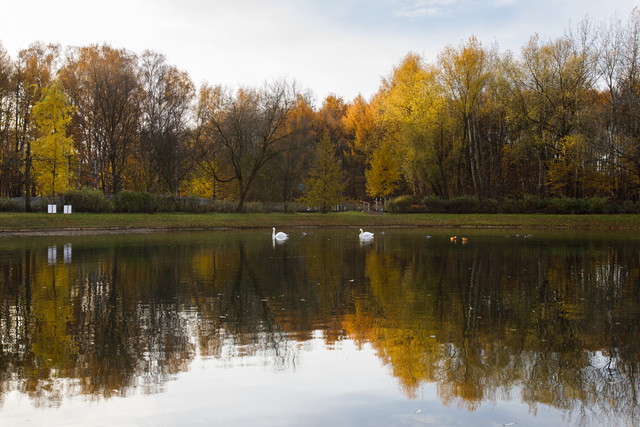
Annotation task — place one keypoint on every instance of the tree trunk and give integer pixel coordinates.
(242, 192)
(27, 179)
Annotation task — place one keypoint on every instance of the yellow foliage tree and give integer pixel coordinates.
(382, 178)
(359, 123)
(412, 113)
(53, 150)
(570, 173)
(466, 72)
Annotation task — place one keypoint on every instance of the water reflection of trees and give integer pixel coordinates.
(128, 318)
(554, 327)
(545, 324)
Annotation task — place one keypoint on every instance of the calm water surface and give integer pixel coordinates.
(231, 328)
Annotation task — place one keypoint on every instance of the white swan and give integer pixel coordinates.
(365, 235)
(279, 235)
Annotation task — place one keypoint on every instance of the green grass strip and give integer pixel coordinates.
(11, 222)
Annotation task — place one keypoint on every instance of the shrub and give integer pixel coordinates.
(87, 200)
(167, 204)
(433, 204)
(564, 205)
(529, 204)
(490, 206)
(292, 207)
(542, 205)
(628, 207)
(196, 205)
(189, 204)
(390, 206)
(134, 202)
(580, 206)
(253, 207)
(553, 205)
(223, 206)
(464, 204)
(400, 204)
(509, 206)
(11, 205)
(41, 204)
(597, 205)
(610, 208)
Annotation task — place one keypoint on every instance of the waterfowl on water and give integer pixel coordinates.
(365, 234)
(279, 235)
(454, 238)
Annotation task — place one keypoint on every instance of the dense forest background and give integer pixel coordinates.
(558, 119)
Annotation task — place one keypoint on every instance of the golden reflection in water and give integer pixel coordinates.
(545, 324)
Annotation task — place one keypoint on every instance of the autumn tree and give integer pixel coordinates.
(416, 127)
(52, 152)
(209, 162)
(323, 186)
(465, 73)
(244, 130)
(362, 137)
(165, 155)
(36, 69)
(282, 176)
(551, 85)
(9, 157)
(382, 178)
(624, 95)
(103, 83)
(607, 115)
(330, 119)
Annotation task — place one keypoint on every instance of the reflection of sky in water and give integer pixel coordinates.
(246, 392)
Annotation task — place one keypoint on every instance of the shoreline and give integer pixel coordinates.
(98, 231)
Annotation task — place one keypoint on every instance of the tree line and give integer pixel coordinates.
(559, 119)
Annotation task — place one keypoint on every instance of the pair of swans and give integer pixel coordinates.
(280, 236)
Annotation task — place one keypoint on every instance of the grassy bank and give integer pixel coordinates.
(12, 222)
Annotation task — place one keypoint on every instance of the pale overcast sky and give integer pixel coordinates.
(332, 46)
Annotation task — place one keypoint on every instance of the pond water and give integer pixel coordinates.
(232, 328)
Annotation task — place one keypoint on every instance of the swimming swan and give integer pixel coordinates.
(365, 234)
(279, 235)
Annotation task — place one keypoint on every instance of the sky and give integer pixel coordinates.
(341, 47)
